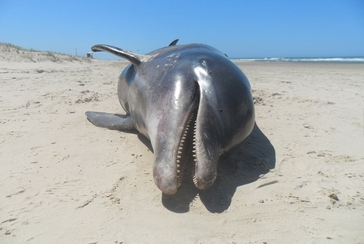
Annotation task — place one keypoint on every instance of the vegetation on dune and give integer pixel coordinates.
(33, 55)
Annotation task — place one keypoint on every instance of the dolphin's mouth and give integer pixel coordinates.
(187, 147)
(186, 151)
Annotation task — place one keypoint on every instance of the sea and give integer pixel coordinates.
(306, 59)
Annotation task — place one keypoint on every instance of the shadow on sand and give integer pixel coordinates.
(253, 157)
(250, 159)
(243, 165)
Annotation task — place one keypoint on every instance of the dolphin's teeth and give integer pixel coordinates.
(184, 150)
(194, 180)
(194, 142)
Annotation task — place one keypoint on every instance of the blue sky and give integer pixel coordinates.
(255, 28)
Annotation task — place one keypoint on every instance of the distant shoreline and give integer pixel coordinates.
(8, 47)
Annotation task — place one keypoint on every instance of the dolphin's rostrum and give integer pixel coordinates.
(191, 101)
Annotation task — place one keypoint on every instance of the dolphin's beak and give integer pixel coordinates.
(166, 179)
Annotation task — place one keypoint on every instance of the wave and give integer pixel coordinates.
(308, 59)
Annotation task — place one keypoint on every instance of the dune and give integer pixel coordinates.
(297, 179)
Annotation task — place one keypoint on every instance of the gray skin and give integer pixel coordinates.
(190, 101)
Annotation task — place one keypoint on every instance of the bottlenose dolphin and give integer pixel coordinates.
(190, 101)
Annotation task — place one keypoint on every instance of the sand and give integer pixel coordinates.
(299, 178)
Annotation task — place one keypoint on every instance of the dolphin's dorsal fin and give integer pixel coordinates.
(134, 58)
(173, 43)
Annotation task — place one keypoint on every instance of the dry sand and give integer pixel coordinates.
(298, 179)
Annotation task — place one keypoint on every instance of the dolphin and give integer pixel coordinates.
(190, 101)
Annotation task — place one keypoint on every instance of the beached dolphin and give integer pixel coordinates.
(191, 101)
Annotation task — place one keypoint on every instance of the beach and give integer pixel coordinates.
(299, 177)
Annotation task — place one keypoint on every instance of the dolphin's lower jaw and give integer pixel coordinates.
(165, 179)
(168, 179)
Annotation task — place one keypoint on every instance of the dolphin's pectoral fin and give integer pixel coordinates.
(134, 58)
(110, 121)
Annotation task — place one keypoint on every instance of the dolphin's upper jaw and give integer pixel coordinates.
(206, 156)
(203, 152)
